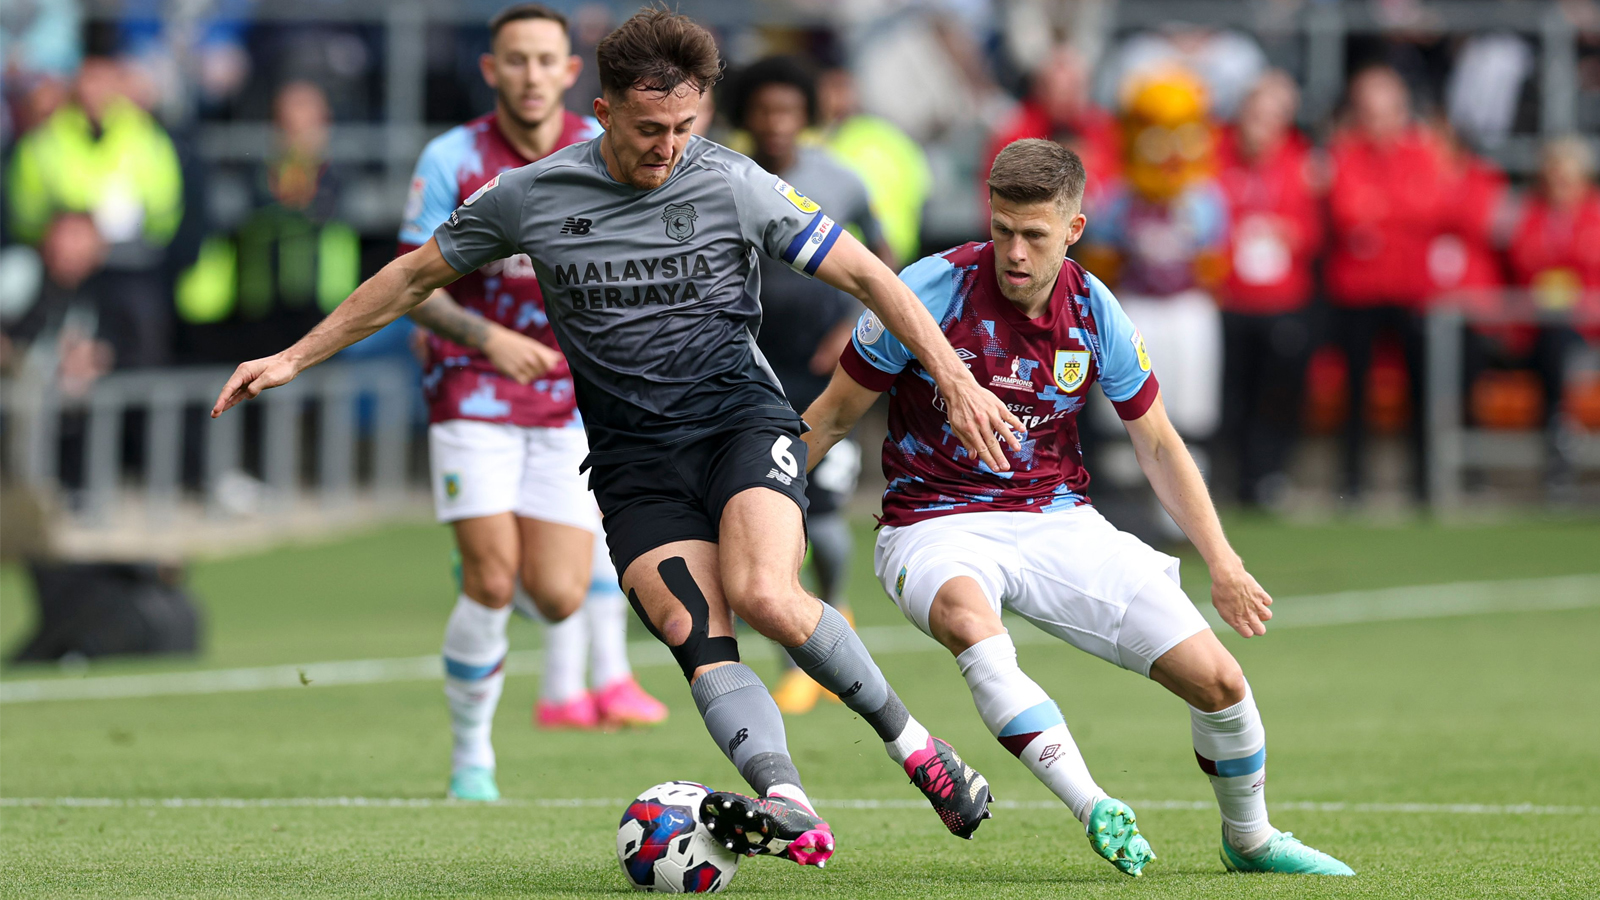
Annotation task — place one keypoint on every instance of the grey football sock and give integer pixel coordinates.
(746, 725)
(830, 560)
(836, 658)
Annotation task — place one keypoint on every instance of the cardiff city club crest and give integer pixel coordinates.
(1072, 367)
(680, 221)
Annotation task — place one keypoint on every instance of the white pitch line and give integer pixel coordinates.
(1456, 809)
(1430, 601)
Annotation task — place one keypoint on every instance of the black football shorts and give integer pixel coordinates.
(679, 493)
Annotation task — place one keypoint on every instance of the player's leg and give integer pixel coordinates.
(828, 488)
(676, 590)
(948, 576)
(618, 698)
(475, 647)
(1230, 742)
(475, 469)
(762, 543)
(554, 571)
(556, 525)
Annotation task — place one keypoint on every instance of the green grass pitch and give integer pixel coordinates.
(1496, 708)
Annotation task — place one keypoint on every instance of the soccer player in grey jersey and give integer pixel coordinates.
(644, 241)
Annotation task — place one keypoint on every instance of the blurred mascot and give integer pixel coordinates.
(1158, 239)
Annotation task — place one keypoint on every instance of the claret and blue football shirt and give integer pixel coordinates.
(1041, 368)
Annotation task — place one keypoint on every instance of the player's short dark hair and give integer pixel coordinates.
(1034, 170)
(784, 70)
(522, 12)
(656, 51)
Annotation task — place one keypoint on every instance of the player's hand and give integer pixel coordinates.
(1241, 601)
(979, 420)
(251, 378)
(517, 356)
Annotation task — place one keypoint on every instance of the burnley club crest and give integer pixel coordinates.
(680, 221)
(1072, 367)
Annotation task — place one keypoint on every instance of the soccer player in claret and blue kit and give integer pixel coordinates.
(504, 435)
(644, 241)
(963, 540)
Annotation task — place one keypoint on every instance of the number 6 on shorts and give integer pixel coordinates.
(782, 456)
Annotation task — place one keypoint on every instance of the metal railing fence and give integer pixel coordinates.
(338, 433)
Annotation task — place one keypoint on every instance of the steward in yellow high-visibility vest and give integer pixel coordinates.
(276, 275)
(121, 170)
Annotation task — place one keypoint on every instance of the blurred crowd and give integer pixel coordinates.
(1280, 265)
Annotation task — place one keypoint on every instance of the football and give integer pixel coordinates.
(663, 847)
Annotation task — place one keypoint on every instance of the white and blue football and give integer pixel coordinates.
(663, 847)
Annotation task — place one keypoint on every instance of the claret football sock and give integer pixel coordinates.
(607, 611)
(1231, 747)
(1024, 719)
(474, 660)
(746, 724)
(566, 655)
(835, 657)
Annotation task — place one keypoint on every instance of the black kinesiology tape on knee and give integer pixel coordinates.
(697, 649)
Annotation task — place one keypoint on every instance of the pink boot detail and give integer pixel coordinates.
(579, 713)
(624, 702)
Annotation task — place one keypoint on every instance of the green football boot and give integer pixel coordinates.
(1114, 834)
(474, 783)
(1283, 853)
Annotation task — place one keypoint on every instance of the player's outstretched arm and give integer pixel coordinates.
(833, 414)
(1240, 601)
(513, 354)
(978, 418)
(402, 284)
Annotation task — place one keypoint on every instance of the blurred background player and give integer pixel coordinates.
(505, 441)
(805, 323)
(1266, 173)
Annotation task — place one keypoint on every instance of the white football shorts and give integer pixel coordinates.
(484, 469)
(1069, 572)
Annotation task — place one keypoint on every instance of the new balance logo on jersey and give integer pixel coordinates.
(781, 477)
(854, 690)
(739, 737)
(575, 225)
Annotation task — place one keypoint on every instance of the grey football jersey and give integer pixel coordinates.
(652, 294)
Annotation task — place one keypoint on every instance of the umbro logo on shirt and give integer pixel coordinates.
(575, 225)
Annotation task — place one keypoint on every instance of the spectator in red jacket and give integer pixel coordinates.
(1058, 109)
(1555, 253)
(1463, 255)
(1267, 174)
(1555, 249)
(1384, 205)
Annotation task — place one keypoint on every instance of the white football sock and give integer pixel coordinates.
(1028, 723)
(566, 655)
(913, 738)
(1231, 747)
(474, 659)
(792, 792)
(608, 613)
